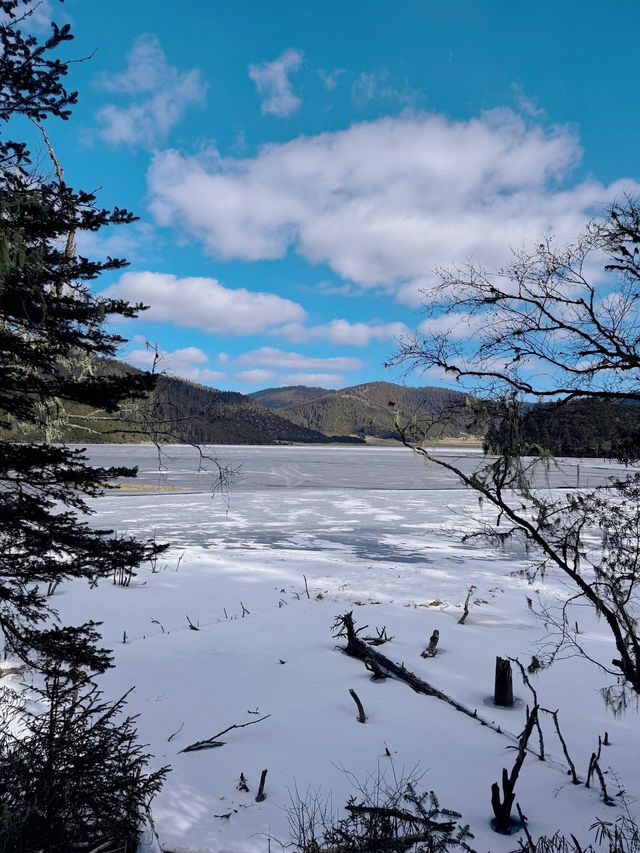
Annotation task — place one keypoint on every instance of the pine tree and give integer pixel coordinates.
(53, 331)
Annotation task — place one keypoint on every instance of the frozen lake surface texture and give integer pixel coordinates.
(373, 530)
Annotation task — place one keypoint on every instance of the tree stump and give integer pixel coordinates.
(432, 648)
(503, 691)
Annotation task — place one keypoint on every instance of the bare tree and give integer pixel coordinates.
(555, 326)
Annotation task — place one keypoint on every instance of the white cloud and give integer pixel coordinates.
(161, 95)
(322, 380)
(273, 84)
(358, 334)
(377, 86)
(116, 241)
(203, 303)
(345, 333)
(255, 377)
(276, 358)
(528, 106)
(383, 203)
(223, 357)
(330, 78)
(187, 363)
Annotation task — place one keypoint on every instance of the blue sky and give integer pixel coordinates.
(300, 169)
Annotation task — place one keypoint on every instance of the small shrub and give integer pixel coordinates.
(619, 836)
(387, 816)
(72, 775)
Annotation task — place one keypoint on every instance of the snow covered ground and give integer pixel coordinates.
(376, 532)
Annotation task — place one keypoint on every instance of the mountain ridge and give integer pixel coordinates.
(370, 408)
(180, 410)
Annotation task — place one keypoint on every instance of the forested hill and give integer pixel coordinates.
(207, 416)
(290, 395)
(177, 411)
(183, 411)
(591, 427)
(369, 409)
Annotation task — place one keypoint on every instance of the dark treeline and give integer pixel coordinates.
(589, 428)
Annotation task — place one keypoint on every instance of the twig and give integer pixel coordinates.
(381, 639)
(535, 702)
(595, 757)
(306, 586)
(362, 717)
(605, 793)
(531, 847)
(465, 613)
(594, 767)
(572, 768)
(211, 742)
(171, 737)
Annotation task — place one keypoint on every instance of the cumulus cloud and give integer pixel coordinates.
(161, 95)
(259, 376)
(321, 380)
(188, 362)
(204, 303)
(358, 334)
(345, 333)
(385, 202)
(273, 84)
(277, 358)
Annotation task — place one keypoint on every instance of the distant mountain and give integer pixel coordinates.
(291, 395)
(370, 409)
(206, 416)
(183, 411)
(178, 411)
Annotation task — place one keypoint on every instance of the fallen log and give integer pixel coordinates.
(376, 661)
(400, 814)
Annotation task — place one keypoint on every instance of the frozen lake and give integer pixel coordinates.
(373, 503)
(325, 467)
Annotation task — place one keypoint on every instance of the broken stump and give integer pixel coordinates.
(503, 691)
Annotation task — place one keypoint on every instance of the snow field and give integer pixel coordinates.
(395, 559)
